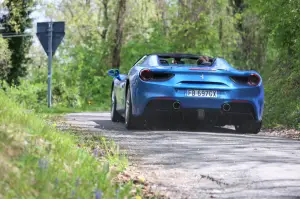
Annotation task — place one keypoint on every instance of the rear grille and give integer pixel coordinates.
(197, 82)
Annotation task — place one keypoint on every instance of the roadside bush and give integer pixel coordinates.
(5, 56)
(34, 95)
(282, 98)
(27, 94)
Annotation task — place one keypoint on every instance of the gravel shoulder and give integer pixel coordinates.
(214, 164)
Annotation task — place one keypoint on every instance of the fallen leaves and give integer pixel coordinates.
(281, 132)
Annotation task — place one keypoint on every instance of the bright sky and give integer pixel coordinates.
(38, 16)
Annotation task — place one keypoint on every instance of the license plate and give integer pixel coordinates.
(201, 93)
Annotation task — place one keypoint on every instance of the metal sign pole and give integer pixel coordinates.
(50, 35)
(50, 29)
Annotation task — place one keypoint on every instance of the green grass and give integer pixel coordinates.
(38, 161)
(61, 110)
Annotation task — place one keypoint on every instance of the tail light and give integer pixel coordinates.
(148, 75)
(252, 80)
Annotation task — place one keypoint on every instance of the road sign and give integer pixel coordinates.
(58, 33)
(50, 35)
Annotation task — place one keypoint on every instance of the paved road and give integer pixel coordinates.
(218, 164)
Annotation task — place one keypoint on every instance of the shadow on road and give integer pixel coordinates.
(119, 126)
(182, 148)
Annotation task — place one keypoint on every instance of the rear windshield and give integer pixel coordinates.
(185, 61)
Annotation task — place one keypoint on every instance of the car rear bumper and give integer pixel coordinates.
(160, 98)
(239, 112)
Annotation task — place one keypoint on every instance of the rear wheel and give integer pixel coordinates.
(115, 116)
(131, 122)
(251, 127)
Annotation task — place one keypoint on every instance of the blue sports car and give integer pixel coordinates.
(197, 89)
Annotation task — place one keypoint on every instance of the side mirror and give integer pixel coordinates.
(115, 73)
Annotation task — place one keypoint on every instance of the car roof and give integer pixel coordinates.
(176, 55)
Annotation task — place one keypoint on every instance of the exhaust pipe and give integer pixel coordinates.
(226, 107)
(176, 105)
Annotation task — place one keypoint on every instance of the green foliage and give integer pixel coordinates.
(33, 95)
(281, 18)
(281, 69)
(255, 34)
(27, 94)
(17, 21)
(5, 56)
(80, 67)
(282, 106)
(37, 161)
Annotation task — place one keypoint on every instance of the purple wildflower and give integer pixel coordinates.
(117, 193)
(98, 194)
(56, 182)
(102, 153)
(77, 181)
(43, 164)
(96, 152)
(73, 194)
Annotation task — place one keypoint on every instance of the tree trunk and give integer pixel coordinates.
(117, 43)
(161, 13)
(105, 20)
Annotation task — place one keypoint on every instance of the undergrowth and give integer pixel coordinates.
(282, 98)
(38, 161)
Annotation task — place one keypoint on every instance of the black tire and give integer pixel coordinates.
(131, 122)
(115, 116)
(250, 127)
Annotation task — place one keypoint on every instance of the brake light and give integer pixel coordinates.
(146, 74)
(253, 80)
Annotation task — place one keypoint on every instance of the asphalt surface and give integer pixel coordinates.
(202, 164)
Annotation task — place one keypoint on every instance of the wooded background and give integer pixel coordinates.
(103, 34)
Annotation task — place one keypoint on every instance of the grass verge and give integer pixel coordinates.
(38, 161)
(62, 110)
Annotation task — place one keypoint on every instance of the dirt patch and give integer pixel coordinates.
(141, 184)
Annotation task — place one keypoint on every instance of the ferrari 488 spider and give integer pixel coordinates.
(198, 89)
